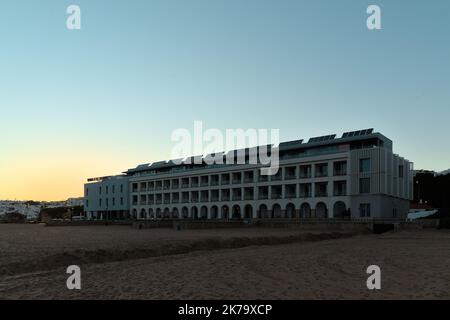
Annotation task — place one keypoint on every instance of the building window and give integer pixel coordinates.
(100, 190)
(364, 210)
(107, 189)
(113, 201)
(321, 170)
(400, 171)
(113, 189)
(87, 203)
(121, 188)
(364, 165)
(121, 201)
(364, 185)
(100, 202)
(394, 212)
(87, 191)
(340, 168)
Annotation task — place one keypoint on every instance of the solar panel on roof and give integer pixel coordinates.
(357, 133)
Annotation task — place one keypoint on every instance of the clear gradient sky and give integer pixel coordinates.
(96, 101)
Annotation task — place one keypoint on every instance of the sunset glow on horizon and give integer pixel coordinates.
(95, 102)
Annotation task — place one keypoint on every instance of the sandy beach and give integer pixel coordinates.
(118, 262)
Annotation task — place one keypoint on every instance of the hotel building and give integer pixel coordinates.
(356, 175)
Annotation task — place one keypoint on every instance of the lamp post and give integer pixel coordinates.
(418, 191)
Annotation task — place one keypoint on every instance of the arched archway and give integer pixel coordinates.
(166, 214)
(225, 212)
(194, 213)
(248, 212)
(134, 215)
(158, 213)
(175, 214)
(276, 211)
(236, 212)
(214, 212)
(321, 210)
(143, 214)
(263, 212)
(151, 214)
(305, 210)
(290, 211)
(204, 213)
(185, 213)
(339, 209)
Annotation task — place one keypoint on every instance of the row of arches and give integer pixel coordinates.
(247, 212)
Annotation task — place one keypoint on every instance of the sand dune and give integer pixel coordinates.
(414, 264)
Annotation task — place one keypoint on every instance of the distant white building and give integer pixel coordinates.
(75, 202)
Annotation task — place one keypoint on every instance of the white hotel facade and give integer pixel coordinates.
(356, 175)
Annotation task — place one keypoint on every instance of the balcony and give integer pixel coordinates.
(276, 195)
(321, 193)
(290, 195)
(305, 194)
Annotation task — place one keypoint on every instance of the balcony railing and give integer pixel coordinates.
(320, 174)
(290, 195)
(321, 194)
(340, 172)
(290, 177)
(276, 195)
(305, 194)
(263, 196)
